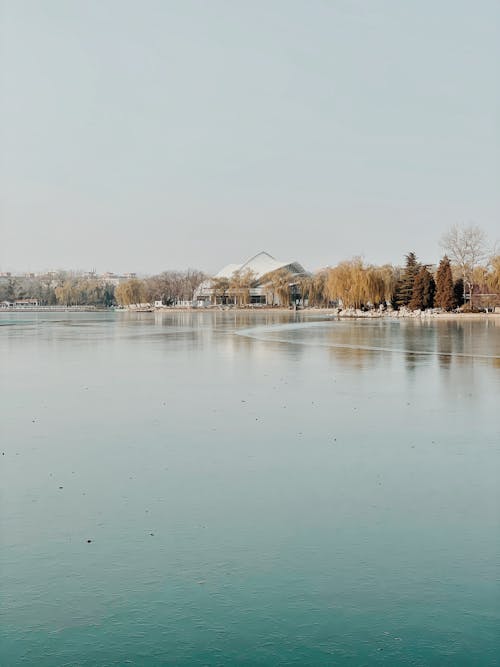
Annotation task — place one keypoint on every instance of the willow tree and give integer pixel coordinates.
(389, 276)
(270, 285)
(239, 286)
(220, 287)
(283, 281)
(130, 292)
(376, 288)
(311, 288)
(278, 286)
(340, 284)
(487, 279)
(493, 279)
(304, 283)
(317, 289)
(355, 284)
(67, 293)
(269, 288)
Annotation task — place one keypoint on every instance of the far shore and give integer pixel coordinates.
(329, 312)
(334, 312)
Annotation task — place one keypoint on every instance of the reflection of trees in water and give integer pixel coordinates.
(207, 328)
(460, 340)
(458, 372)
(483, 339)
(418, 336)
(455, 342)
(217, 319)
(450, 341)
(352, 358)
(356, 337)
(351, 342)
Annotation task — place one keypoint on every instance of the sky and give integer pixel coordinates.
(144, 135)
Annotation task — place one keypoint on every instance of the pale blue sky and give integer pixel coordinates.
(146, 134)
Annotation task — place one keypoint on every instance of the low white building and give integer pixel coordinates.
(259, 272)
(20, 303)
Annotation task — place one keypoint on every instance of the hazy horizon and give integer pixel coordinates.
(161, 135)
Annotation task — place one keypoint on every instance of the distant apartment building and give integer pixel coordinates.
(114, 278)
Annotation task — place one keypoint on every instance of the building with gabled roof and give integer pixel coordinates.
(260, 265)
(259, 271)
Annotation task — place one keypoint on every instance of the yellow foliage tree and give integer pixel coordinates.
(130, 292)
(239, 286)
(355, 285)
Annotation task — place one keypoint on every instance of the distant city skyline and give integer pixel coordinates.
(147, 136)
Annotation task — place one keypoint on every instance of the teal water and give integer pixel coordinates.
(258, 489)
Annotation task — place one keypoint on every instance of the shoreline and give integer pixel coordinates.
(329, 312)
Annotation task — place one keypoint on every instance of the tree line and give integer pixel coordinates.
(468, 275)
(467, 272)
(169, 287)
(69, 289)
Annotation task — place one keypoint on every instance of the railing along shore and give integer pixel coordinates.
(36, 309)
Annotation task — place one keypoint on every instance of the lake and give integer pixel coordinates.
(257, 488)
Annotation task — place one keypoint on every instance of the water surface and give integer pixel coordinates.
(257, 488)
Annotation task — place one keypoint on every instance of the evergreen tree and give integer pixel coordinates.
(458, 291)
(404, 288)
(423, 291)
(445, 295)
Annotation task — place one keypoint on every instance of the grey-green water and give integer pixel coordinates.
(258, 489)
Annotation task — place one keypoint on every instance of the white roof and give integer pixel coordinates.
(228, 271)
(260, 264)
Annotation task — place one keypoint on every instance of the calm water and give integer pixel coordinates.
(258, 489)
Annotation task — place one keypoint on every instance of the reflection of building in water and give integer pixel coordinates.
(229, 332)
(262, 279)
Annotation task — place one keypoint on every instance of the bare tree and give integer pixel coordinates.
(467, 248)
(173, 286)
(220, 288)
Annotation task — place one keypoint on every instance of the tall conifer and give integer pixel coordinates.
(458, 291)
(404, 287)
(445, 295)
(423, 291)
